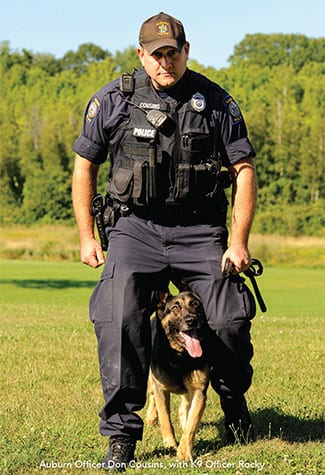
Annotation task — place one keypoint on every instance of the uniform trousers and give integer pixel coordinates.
(144, 256)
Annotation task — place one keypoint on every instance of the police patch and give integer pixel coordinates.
(198, 102)
(144, 133)
(93, 110)
(233, 109)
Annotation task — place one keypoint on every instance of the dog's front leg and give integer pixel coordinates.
(183, 409)
(197, 406)
(152, 414)
(162, 399)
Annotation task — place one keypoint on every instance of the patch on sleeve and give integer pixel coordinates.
(233, 109)
(93, 110)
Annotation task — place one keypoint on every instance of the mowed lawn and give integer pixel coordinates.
(51, 394)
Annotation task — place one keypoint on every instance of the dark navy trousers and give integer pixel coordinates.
(142, 257)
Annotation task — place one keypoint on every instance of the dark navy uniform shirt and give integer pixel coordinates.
(107, 109)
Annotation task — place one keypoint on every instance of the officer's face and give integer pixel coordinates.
(165, 66)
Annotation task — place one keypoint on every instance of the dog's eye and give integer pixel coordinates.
(176, 307)
(194, 304)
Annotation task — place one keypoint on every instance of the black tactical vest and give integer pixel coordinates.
(173, 163)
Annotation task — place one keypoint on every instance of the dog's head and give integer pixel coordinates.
(182, 317)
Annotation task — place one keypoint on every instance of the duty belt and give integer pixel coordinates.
(184, 215)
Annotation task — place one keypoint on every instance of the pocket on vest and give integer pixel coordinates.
(122, 184)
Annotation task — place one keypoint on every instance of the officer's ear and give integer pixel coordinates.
(187, 49)
(140, 53)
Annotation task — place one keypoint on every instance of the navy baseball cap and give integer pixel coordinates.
(161, 30)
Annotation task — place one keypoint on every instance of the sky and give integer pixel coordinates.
(213, 28)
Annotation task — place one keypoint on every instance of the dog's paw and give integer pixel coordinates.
(183, 453)
(170, 442)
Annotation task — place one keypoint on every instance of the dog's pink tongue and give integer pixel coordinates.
(192, 345)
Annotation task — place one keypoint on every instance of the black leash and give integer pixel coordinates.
(255, 270)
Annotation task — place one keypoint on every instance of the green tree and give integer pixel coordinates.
(278, 49)
(86, 54)
(127, 60)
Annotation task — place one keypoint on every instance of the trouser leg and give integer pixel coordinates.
(124, 355)
(229, 307)
(120, 308)
(228, 303)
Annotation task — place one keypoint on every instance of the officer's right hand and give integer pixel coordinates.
(91, 253)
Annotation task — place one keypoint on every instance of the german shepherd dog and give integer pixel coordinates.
(178, 365)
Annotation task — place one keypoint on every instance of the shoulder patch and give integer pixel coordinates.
(233, 109)
(93, 110)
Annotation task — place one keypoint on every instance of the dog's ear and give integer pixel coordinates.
(162, 296)
(180, 284)
(160, 299)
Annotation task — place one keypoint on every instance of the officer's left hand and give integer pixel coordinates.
(236, 258)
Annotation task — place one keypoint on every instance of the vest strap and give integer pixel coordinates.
(138, 177)
(182, 188)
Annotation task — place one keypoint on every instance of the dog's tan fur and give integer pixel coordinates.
(173, 370)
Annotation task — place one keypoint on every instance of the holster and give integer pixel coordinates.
(97, 211)
(113, 211)
(106, 213)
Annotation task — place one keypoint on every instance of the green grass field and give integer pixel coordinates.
(50, 389)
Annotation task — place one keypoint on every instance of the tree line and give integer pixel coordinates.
(277, 79)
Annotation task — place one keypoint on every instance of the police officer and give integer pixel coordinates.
(173, 139)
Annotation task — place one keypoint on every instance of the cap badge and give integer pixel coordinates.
(162, 28)
(198, 102)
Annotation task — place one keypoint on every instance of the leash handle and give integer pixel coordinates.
(255, 270)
